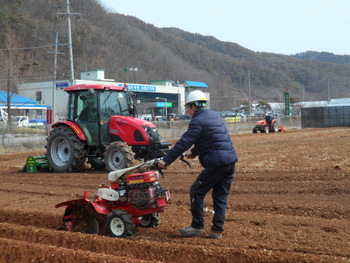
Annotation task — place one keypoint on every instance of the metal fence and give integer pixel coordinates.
(22, 139)
(322, 117)
(173, 130)
(34, 138)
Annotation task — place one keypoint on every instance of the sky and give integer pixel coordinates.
(275, 26)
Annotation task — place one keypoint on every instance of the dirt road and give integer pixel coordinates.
(290, 202)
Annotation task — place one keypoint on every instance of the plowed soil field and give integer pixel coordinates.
(290, 202)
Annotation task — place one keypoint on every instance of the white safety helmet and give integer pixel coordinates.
(196, 95)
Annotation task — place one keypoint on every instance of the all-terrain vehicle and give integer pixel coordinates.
(265, 127)
(101, 128)
(132, 199)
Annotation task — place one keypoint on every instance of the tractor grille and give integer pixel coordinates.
(138, 136)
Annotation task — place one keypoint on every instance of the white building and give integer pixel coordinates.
(51, 93)
(279, 107)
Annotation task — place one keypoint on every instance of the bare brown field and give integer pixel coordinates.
(290, 202)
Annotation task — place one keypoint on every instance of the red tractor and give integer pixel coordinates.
(265, 127)
(131, 200)
(101, 128)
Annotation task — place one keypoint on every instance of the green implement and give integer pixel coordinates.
(33, 163)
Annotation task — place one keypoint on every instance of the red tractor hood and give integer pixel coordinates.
(261, 122)
(131, 121)
(131, 130)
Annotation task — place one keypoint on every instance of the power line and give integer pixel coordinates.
(49, 78)
(23, 48)
(47, 6)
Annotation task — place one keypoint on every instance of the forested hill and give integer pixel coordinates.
(111, 41)
(324, 57)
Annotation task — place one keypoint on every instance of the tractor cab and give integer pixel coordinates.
(91, 109)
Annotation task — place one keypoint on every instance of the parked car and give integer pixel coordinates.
(21, 121)
(184, 117)
(146, 117)
(231, 118)
(243, 116)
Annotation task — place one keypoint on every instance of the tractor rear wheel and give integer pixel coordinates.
(150, 220)
(65, 150)
(119, 224)
(118, 155)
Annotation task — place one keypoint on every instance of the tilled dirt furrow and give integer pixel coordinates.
(20, 192)
(21, 251)
(73, 246)
(30, 219)
(314, 212)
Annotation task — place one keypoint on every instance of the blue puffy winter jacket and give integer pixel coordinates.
(211, 140)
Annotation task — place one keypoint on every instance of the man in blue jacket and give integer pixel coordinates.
(213, 145)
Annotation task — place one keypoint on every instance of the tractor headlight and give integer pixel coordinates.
(151, 133)
(157, 175)
(146, 128)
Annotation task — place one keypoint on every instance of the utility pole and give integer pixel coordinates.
(249, 97)
(303, 93)
(54, 82)
(166, 105)
(329, 93)
(54, 77)
(70, 46)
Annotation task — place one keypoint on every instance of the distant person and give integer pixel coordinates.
(268, 118)
(212, 143)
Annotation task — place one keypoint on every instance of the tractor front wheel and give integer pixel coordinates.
(119, 224)
(118, 155)
(266, 129)
(65, 150)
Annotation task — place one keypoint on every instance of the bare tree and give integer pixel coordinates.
(9, 68)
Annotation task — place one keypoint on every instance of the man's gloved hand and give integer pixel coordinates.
(190, 156)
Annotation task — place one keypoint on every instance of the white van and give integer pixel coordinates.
(21, 121)
(146, 117)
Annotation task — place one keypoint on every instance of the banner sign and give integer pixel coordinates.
(133, 87)
(163, 104)
(287, 103)
(62, 85)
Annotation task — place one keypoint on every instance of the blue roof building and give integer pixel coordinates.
(194, 84)
(15, 99)
(20, 102)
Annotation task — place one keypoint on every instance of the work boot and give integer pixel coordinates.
(191, 231)
(214, 235)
